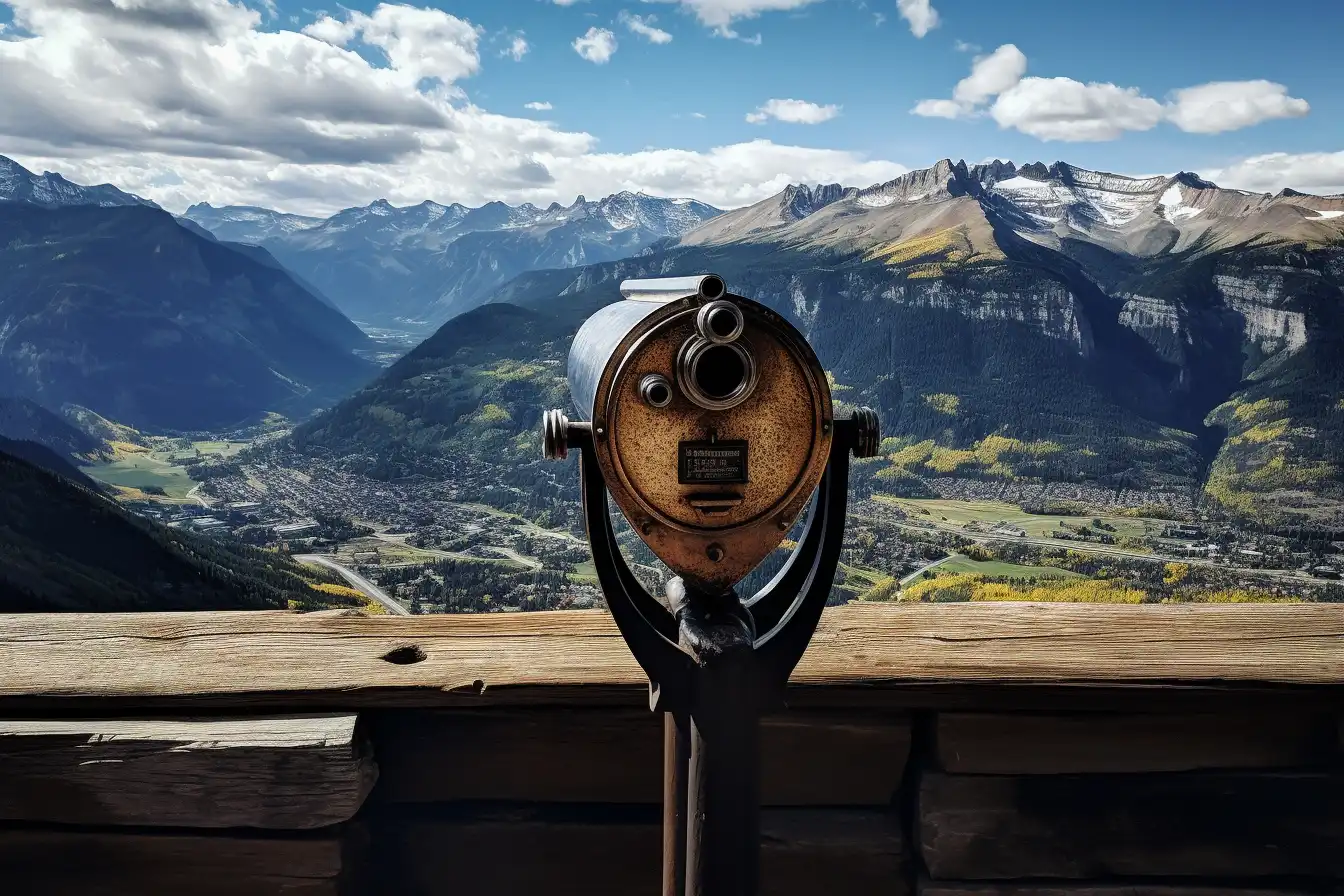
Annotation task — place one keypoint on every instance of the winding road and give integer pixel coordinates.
(925, 568)
(356, 581)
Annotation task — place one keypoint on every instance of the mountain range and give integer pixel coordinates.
(1037, 322)
(415, 267)
(1008, 323)
(112, 304)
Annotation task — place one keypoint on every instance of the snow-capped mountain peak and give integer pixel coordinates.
(51, 190)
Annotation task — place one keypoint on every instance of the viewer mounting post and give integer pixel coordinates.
(708, 418)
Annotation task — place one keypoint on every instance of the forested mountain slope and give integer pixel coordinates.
(65, 548)
(124, 311)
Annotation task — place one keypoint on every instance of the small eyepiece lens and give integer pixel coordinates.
(719, 372)
(712, 288)
(722, 323)
(658, 394)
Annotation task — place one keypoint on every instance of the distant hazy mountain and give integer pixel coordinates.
(415, 267)
(1043, 322)
(125, 312)
(66, 548)
(18, 184)
(246, 223)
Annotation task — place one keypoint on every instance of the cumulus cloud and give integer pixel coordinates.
(643, 26)
(538, 107)
(422, 43)
(793, 112)
(1070, 110)
(1310, 172)
(1230, 105)
(189, 100)
(597, 45)
(1065, 109)
(990, 75)
(919, 15)
(721, 14)
(517, 48)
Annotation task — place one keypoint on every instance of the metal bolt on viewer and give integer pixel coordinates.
(708, 418)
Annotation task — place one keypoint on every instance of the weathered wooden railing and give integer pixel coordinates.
(1014, 749)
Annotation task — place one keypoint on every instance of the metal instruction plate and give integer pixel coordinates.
(718, 463)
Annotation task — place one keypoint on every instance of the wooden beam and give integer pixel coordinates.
(139, 863)
(572, 656)
(803, 852)
(615, 756)
(296, 772)
(944, 888)
(1088, 827)
(994, 743)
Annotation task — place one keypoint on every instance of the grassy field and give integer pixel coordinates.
(139, 469)
(397, 553)
(999, 568)
(988, 513)
(133, 467)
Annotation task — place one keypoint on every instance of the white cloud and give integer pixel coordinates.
(697, 115)
(189, 100)
(962, 46)
(990, 75)
(422, 43)
(793, 112)
(1065, 109)
(1310, 172)
(643, 26)
(721, 14)
(1229, 105)
(538, 107)
(517, 48)
(597, 45)
(567, 2)
(940, 109)
(921, 17)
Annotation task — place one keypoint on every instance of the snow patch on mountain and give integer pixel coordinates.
(1173, 204)
(51, 190)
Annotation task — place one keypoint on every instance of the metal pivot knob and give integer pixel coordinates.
(555, 435)
(867, 433)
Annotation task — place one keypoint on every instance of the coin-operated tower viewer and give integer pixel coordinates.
(709, 419)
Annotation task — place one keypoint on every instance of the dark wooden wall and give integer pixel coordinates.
(565, 801)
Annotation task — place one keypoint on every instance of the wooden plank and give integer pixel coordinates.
(603, 756)
(944, 888)
(995, 743)
(295, 772)
(810, 852)
(101, 863)
(803, 852)
(567, 654)
(832, 759)
(1223, 824)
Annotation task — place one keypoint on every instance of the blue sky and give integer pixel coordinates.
(445, 88)
(834, 53)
